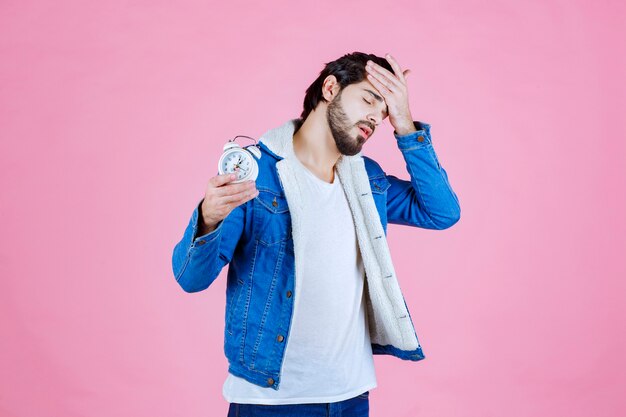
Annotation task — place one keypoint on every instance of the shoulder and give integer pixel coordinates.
(372, 167)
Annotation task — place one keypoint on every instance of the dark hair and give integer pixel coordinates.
(348, 69)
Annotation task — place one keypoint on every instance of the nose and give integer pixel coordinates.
(374, 119)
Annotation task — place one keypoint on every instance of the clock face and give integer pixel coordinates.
(237, 159)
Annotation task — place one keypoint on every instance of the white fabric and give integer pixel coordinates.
(328, 356)
(390, 324)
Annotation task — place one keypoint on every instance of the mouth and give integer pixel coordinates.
(365, 130)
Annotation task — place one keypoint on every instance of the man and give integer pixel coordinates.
(311, 290)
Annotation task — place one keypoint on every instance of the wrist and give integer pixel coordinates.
(404, 125)
(205, 225)
(402, 130)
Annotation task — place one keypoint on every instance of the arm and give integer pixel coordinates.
(198, 260)
(427, 200)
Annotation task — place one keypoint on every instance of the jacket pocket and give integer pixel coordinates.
(379, 184)
(272, 221)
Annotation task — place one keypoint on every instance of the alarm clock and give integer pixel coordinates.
(244, 158)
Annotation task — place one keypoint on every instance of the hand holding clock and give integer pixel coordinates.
(221, 198)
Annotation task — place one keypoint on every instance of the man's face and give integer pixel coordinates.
(353, 115)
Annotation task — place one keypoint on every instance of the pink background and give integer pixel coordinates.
(112, 118)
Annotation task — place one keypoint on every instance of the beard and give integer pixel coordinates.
(340, 128)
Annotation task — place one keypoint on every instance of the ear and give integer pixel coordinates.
(330, 88)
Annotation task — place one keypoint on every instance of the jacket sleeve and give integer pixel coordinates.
(198, 260)
(427, 200)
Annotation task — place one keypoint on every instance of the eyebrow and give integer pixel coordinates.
(377, 97)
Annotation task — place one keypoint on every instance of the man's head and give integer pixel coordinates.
(351, 102)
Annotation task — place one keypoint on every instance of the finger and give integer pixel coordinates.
(391, 83)
(231, 189)
(396, 67)
(375, 69)
(382, 89)
(219, 180)
(242, 199)
(394, 86)
(406, 74)
(239, 197)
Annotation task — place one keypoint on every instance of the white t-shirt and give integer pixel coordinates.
(328, 356)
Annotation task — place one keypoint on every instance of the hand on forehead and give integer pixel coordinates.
(392, 87)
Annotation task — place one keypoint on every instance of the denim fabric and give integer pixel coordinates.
(255, 239)
(353, 407)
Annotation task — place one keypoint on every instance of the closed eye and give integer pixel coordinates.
(367, 102)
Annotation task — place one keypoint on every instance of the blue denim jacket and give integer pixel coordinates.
(260, 241)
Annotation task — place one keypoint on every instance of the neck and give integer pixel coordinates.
(314, 145)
